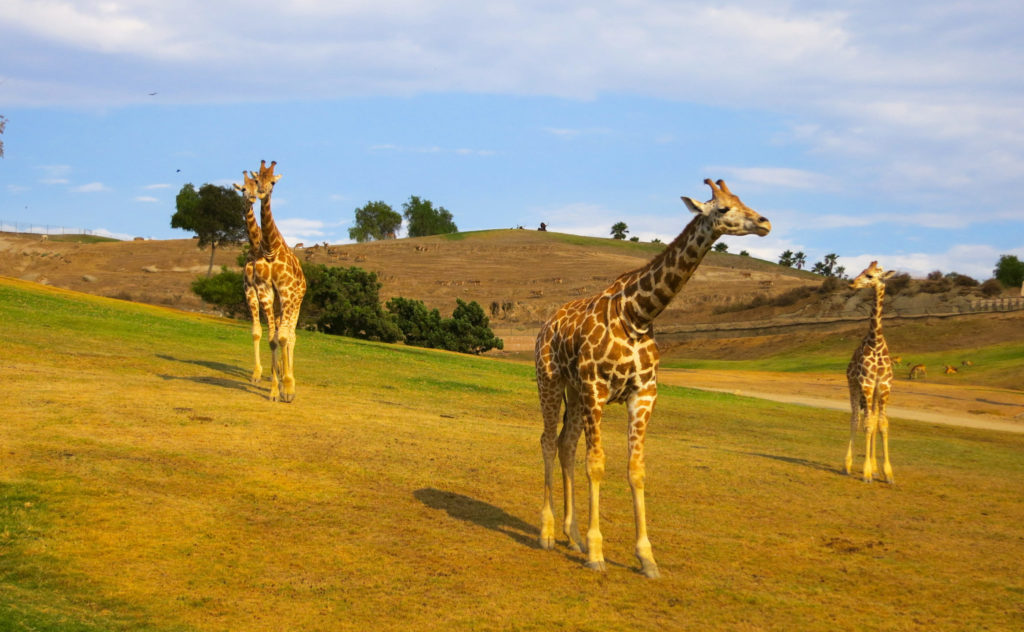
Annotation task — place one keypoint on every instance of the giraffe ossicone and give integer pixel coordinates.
(600, 350)
(869, 376)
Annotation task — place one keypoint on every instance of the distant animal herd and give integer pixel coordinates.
(592, 352)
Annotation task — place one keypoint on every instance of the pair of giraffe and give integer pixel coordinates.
(274, 283)
(601, 350)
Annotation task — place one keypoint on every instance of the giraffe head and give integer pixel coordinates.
(728, 215)
(872, 276)
(249, 188)
(265, 179)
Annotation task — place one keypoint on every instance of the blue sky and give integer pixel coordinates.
(888, 131)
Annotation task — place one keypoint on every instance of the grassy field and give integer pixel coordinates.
(146, 485)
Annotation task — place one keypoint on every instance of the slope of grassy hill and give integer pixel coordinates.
(146, 485)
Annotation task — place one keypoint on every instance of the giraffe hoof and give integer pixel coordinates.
(547, 542)
(287, 398)
(650, 569)
(597, 565)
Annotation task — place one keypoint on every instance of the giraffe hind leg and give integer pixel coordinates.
(550, 404)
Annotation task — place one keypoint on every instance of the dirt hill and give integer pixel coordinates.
(519, 276)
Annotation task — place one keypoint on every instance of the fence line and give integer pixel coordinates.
(40, 229)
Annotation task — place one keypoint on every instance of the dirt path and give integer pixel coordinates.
(959, 405)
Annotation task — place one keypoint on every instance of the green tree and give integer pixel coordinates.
(829, 266)
(619, 230)
(799, 260)
(375, 221)
(786, 259)
(346, 302)
(1009, 271)
(721, 247)
(419, 325)
(224, 290)
(216, 214)
(423, 219)
(467, 331)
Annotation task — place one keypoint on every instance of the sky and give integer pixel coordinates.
(872, 130)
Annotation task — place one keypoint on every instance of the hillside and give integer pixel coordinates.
(519, 276)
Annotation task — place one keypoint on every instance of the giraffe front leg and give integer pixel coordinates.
(869, 442)
(854, 426)
(567, 442)
(275, 369)
(883, 426)
(595, 474)
(640, 408)
(286, 344)
(550, 406)
(252, 299)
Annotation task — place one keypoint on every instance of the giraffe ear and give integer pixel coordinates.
(276, 178)
(695, 207)
(887, 274)
(237, 186)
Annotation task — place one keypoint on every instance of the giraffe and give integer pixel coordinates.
(285, 275)
(869, 376)
(600, 350)
(259, 293)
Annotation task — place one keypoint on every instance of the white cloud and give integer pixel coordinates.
(150, 187)
(974, 260)
(92, 187)
(777, 177)
(146, 198)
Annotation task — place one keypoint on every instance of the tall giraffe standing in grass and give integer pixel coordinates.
(600, 350)
(289, 284)
(869, 376)
(259, 293)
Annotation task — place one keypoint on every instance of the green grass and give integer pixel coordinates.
(81, 239)
(146, 485)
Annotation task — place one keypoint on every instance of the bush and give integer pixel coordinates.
(346, 302)
(467, 331)
(225, 290)
(831, 284)
(961, 280)
(937, 285)
(990, 288)
(897, 283)
(1009, 271)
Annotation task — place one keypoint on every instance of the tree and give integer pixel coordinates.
(721, 247)
(375, 220)
(423, 219)
(3, 124)
(216, 214)
(744, 253)
(786, 259)
(619, 230)
(799, 260)
(346, 302)
(418, 324)
(829, 267)
(1009, 271)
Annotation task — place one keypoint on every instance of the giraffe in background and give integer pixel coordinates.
(869, 376)
(259, 293)
(600, 350)
(289, 284)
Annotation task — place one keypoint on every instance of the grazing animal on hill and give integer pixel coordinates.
(950, 370)
(917, 371)
(869, 376)
(600, 350)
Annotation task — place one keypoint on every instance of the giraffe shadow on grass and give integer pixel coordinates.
(238, 379)
(490, 517)
(479, 513)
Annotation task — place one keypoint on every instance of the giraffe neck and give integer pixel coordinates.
(647, 292)
(272, 240)
(255, 234)
(875, 326)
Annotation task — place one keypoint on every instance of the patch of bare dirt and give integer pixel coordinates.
(920, 400)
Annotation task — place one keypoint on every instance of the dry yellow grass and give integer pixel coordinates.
(144, 484)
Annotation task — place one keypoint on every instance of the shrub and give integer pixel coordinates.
(225, 290)
(831, 284)
(961, 280)
(990, 288)
(346, 302)
(467, 331)
(897, 283)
